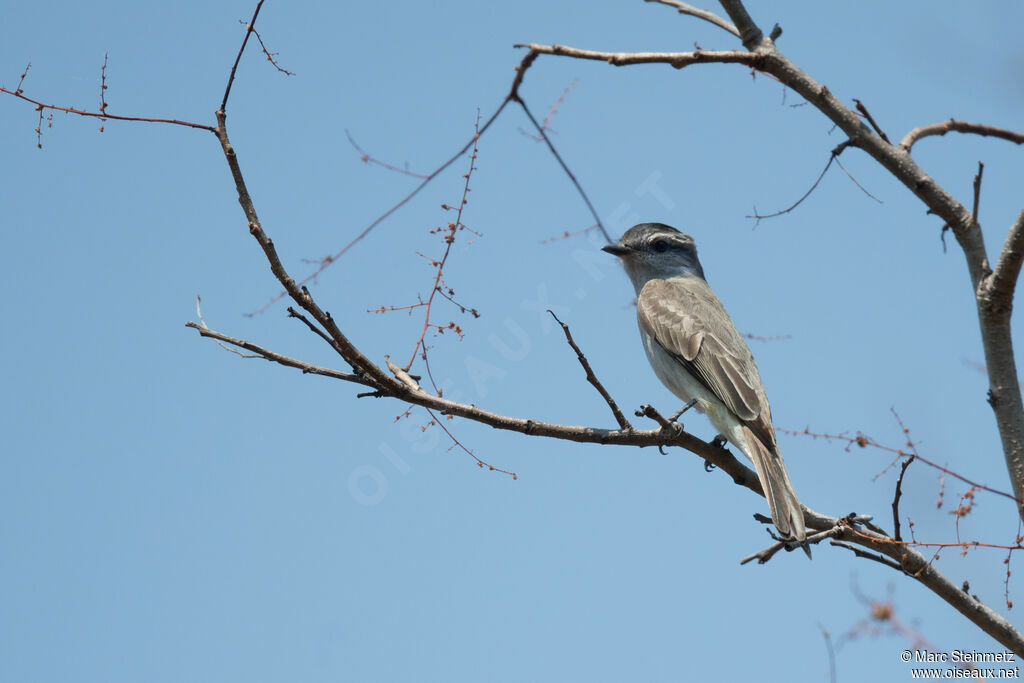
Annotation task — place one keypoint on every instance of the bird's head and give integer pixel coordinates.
(656, 251)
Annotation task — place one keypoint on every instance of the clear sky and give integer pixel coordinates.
(172, 512)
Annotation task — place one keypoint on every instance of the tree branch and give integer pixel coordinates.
(896, 499)
(591, 377)
(995, 306)
(1004, 277)
(677, 60)
(266, 354)
(704, 14)
(249, 28)
(103, 115)
(750, 34)
(954, 126)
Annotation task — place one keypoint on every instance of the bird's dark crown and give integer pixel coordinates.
(644, 234)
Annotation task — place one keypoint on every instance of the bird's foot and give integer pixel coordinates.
(719, 441)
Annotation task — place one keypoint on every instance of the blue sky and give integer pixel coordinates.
(169, 511)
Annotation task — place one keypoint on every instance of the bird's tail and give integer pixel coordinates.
(787, 513)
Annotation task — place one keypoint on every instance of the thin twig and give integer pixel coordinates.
(103, 86)
(292, 313)
(832, 157)
(483, 464)
(449, 239)
(896, 499)
(266, 354)
(104, 115)
(862, 188)
(270, 55)
(367, 159)
(552, 110)
(871, 119)
(704, 14)
(1009, 556)
(249, 28)
(977, 191)
(866, 555)
(567, 234)
(865, 441)
(591, 377)
(831, 654)
(650, 411)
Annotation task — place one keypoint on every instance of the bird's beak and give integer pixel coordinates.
(617, 250)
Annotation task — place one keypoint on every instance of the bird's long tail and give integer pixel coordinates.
(787, 513)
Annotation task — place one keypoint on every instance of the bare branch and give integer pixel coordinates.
(566, 234)
(591, 377)
(266, 354)
(896, 499)
(867, 556)
(269, 55)
(750, 34)
(977, 191)
(1004, 277)
(831, 654)
(367, 159)
(552, 110)
(995, 305)
(955, 126)
(302, 297)
(854, 181)
(864, 441)
(704, 14)
(871, 119)
(652, 412)
(292, 313)
(103, 115)
(831, 157)
(677, 60)
(249, 28)
(449, 240)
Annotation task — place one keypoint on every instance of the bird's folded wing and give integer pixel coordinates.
(689, 322)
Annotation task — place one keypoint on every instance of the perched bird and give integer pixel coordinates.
(696, 352)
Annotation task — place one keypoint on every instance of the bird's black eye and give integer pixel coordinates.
(659, 245)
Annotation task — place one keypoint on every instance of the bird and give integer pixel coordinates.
(697, 353)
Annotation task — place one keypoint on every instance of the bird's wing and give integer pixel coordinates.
(688, 320)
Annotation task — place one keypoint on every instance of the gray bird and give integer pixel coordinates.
(697, 353)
